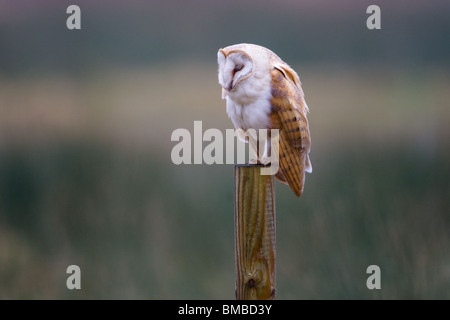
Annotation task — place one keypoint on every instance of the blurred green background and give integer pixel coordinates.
(86, 176)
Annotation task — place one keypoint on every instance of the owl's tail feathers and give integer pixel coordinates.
(308, 166)
(280, 177)
(293, 162)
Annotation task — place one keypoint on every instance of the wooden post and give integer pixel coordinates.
(254, 233)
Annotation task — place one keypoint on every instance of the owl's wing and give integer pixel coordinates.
(289, 116)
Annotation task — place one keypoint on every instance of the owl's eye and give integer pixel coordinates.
(238, 67)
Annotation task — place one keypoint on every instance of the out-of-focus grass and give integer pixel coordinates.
(140, 228)
(86, 179)
(141, 108)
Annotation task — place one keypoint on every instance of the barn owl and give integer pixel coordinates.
(263, 92)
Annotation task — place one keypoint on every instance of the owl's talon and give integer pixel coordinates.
(265, 161)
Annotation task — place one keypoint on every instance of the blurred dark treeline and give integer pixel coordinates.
(34, 38)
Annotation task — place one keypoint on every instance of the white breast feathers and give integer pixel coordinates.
(249, 106)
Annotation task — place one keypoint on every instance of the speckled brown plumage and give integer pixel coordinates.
(289, 117)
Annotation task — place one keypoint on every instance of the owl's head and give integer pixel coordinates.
(239, 63)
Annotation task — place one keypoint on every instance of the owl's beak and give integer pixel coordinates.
(230, 86)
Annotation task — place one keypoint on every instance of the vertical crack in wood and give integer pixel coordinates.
(254, 234)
